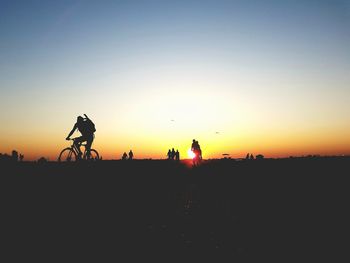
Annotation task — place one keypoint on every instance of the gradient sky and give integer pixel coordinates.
(271, 77)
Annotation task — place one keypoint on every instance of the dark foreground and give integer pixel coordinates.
(141, 210)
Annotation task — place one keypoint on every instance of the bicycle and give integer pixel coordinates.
(197, 158)
(71, 153)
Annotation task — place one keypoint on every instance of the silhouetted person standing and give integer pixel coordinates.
(172, 154)
(131, 155)
(169, 155)
(251, 156)
(125, 156)
(177, 155)
(21, 156)
(87, 128)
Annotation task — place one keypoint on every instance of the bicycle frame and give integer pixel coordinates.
(76, 149)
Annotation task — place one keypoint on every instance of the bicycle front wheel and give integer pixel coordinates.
(67, 155)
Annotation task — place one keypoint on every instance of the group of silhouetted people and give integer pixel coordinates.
(125, 156)
(173, 155)
(14, 157)
(249, 157)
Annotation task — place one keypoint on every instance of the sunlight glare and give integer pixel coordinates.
(190, 154)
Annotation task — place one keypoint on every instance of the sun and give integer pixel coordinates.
(190, 154)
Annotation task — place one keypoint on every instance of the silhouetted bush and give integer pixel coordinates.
(260, 157)
(42, 160)
(14, 156)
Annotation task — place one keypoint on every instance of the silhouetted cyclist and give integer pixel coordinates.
(196, 149)
(87, 128)
(194, 146)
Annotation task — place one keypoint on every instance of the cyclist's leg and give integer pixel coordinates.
(77, 143)
(89, 140)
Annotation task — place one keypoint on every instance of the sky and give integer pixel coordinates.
(264, 77)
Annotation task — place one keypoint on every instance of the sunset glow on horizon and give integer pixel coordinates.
(261, 77)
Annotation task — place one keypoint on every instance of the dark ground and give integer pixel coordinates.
(224, 210)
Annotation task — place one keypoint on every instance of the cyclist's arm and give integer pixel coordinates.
(72, 131)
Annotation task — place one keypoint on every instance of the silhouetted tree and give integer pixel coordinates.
(42, 160)
(5, 157)
(259, 157)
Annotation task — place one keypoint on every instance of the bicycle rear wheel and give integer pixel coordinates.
(93, 155)
(67, 155)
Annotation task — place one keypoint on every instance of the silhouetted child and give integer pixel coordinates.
(125, 156)
(131, 155)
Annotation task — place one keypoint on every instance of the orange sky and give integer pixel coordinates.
(213, 145)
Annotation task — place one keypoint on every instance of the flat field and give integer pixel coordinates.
(147, 209)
